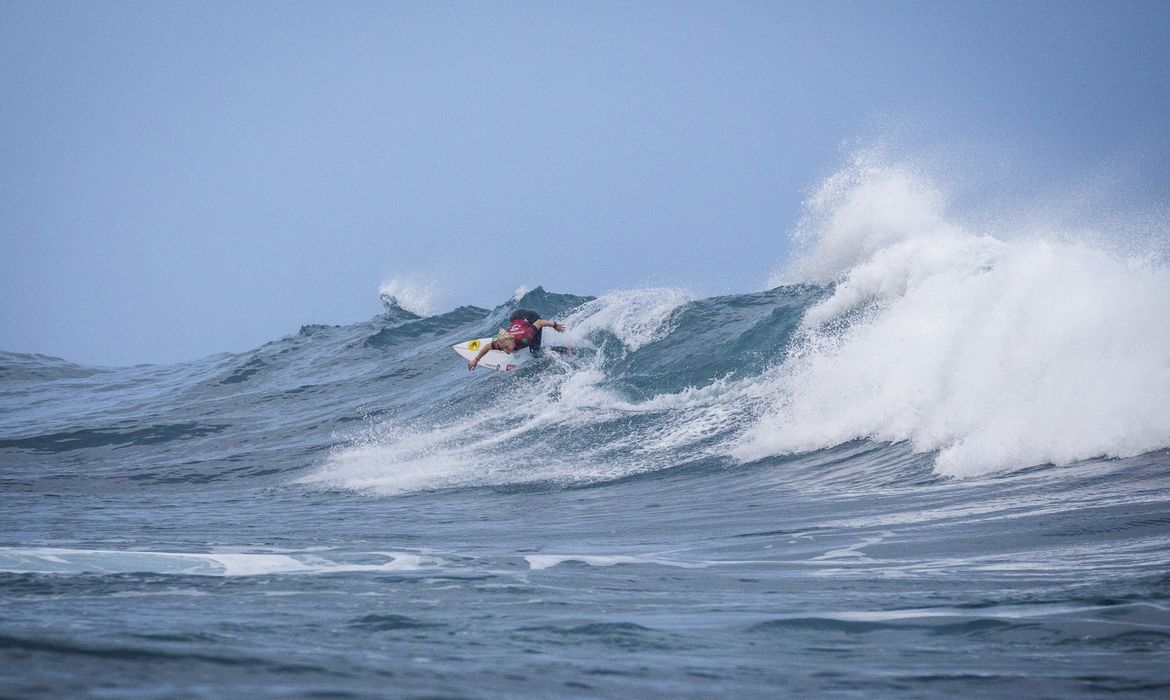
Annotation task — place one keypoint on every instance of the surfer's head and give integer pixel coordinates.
(505, 341)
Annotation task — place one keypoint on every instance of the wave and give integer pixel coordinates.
(896, 326)
(898, 340)
(989, 352)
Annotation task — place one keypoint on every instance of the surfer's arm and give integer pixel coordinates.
(541, 323)
(482, 351)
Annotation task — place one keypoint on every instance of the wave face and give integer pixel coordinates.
(927, 459)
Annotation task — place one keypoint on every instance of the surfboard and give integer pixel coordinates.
(494, 359)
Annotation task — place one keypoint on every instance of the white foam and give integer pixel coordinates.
(637, 317)
(397, 459)
(1005, 612)
(77, 561)
(995, 353)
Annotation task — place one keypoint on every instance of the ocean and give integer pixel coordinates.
(924, 461)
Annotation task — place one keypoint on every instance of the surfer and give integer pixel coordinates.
(525, 332)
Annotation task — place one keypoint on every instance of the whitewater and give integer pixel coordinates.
(930, 457)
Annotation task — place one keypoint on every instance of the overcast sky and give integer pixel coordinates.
(183, 178)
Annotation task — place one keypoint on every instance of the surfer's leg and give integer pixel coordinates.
(526, 314)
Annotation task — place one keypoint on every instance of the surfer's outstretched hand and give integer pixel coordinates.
(472, 363)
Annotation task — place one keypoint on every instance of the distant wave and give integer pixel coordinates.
(411, 295)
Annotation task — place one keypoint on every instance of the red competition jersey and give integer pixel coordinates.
(522, 332)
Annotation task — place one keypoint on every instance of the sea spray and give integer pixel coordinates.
(636, 317)
(992, 353)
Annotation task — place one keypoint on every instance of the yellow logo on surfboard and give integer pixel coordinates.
(473, 345)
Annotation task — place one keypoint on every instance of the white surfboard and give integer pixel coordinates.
(494, 359)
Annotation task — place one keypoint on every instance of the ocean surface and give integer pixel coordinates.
(926, 461)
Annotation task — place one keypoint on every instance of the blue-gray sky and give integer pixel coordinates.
(183, 178)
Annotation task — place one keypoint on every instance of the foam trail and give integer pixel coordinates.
(467, 451)
(994, 353)
(47, 560)
(400, 459)
(573, 400)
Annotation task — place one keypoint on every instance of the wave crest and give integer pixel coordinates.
(992, 353)
(409, 295)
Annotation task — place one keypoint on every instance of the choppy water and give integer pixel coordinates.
(937, 465)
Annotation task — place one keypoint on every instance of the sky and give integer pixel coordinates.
(184, 178)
